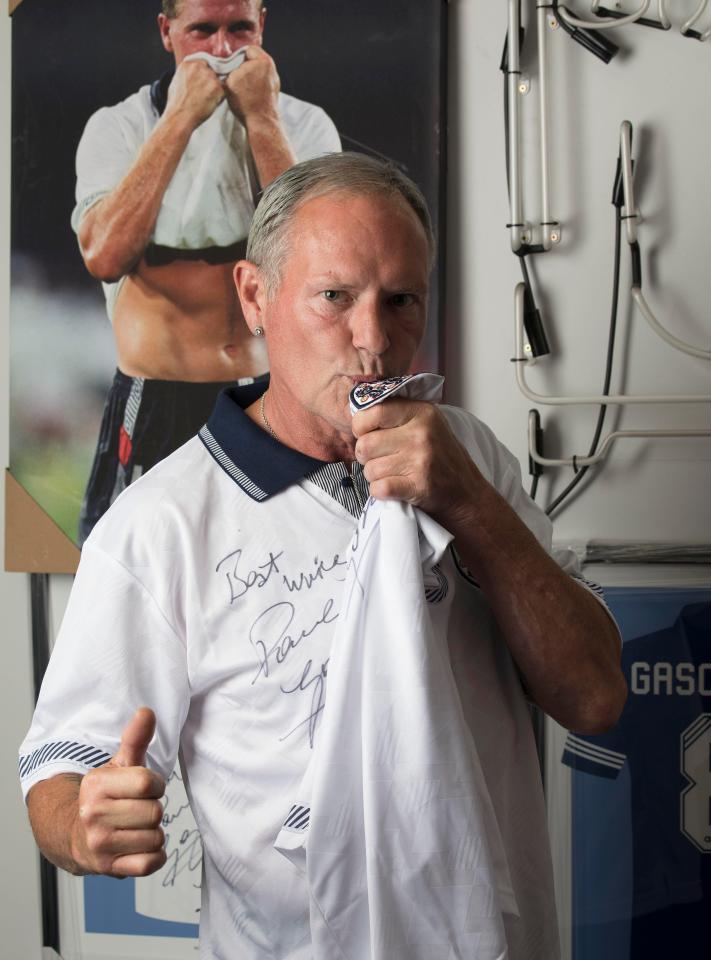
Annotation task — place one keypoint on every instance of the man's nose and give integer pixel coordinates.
(223, 45)
(369, 326)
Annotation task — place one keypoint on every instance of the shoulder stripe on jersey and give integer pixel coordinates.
(596, 747)
(82, 753)
(607, 758)
(231, 468)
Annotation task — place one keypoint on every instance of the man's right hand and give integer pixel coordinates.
(194, 92)
(117, 828)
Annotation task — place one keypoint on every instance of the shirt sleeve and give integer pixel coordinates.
(107, 149)
(116, 651)
(310, 130)
(540, 524)
(503, 471)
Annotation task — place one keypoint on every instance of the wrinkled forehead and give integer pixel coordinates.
(363, 238)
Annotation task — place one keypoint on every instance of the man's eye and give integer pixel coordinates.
(331, 295)
(402, 299)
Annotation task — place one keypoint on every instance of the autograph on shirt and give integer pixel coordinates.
(240, 581)
(275, 640)
(182, 839)
(280, 629)
(184, 852)
(316, 683)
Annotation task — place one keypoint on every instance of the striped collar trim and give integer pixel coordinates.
(258, 464)
(347, 485)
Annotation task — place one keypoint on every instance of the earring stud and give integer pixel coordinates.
(259, 331)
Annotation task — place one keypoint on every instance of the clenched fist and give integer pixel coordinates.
(194, 92)
(252, 88)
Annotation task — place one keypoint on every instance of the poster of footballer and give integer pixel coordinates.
(124, 323)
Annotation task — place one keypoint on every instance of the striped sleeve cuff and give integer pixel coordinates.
(581, 754)
(59, 756)
(594, 588)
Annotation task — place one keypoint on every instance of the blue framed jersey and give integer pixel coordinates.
(654, 858)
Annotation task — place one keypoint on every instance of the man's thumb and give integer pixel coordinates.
(135, 738)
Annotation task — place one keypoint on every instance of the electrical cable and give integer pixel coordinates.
(625, 170)
(663, 23)
(613, 21)
(534, 486)
(533, 324)
(595, 42)
(565, 493)
(686, 28)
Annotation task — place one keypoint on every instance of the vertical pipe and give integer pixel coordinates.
(629, 210)
(513, 78)
(546, 218)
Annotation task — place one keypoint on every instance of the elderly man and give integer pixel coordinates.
(167, 182)
(211, 590)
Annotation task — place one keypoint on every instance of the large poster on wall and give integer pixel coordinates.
(370, 76)
(143, 327)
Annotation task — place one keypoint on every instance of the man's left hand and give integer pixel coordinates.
(409, 453)
(251, 90)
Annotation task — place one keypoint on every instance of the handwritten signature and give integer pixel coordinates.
(318, 694)
(274, 640)
(239, 583)
(186, 856)
(306, 579)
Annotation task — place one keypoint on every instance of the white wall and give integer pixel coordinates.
(660, 82)
(647, 491)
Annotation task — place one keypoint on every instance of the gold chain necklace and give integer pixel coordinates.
(267, 424)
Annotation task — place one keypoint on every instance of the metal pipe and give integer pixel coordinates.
(662, 332)
(630, 216)
(604, 24)
(695, 16)
(513, 78)
(629, 210)
(547, 223)
(521, 362)
(588, 461)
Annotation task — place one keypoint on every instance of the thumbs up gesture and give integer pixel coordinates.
(117, 828)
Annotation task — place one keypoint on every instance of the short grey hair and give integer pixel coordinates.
(267, 244)
(172, 8)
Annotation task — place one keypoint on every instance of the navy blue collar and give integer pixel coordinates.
(159, 92)
(258, 464)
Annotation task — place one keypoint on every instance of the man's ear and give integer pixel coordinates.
(251, 291)
(164, 27)
(262, 18)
